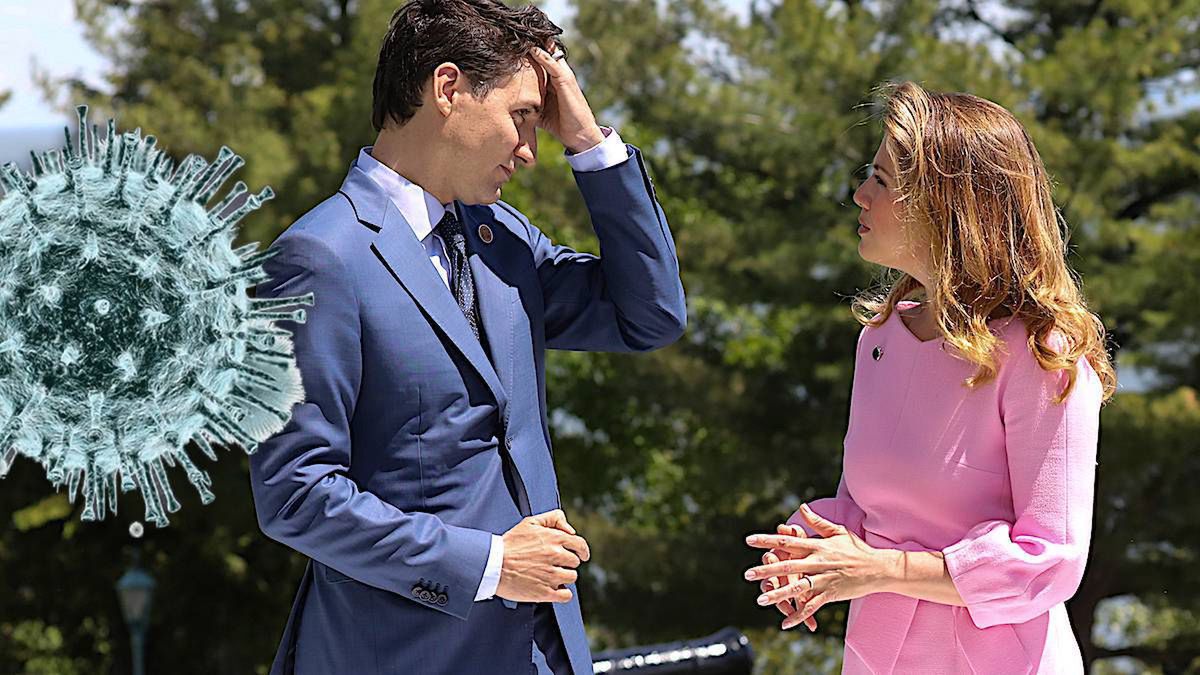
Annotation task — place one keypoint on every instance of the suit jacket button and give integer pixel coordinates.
(442, 599)
(416, 591)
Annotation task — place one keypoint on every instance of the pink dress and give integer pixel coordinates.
(1000, 479)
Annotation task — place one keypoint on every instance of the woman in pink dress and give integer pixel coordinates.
(962, 520)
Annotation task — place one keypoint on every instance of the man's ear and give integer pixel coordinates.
(448, 84)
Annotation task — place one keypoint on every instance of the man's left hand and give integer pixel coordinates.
(565, 111)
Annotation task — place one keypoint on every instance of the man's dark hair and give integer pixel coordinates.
(484, 38)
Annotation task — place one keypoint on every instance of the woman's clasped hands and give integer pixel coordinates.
(800, 574)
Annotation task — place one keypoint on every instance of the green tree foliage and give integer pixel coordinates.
(754, 124)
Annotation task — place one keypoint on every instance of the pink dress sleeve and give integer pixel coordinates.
(839, 509)
(1010, 572)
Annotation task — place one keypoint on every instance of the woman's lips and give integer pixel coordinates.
(863, 229)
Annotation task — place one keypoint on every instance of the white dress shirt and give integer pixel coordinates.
(423, 212)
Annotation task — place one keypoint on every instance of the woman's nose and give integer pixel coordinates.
(860, 197)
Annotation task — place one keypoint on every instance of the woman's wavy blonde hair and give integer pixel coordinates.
(974, 185)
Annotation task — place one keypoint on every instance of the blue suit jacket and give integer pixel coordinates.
(390, 476)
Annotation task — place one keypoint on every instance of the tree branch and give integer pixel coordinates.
(1008, 36)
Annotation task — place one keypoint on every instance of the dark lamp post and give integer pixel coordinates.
(136, 591)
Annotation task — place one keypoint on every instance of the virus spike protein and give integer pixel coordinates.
(127, 339)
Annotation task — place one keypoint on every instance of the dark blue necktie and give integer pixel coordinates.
(462, 284)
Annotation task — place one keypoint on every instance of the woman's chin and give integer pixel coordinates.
(864, 252)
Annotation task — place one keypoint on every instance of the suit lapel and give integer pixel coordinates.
(398, 250)
(495, 297)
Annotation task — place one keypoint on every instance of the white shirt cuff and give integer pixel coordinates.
(607, 153)
(491, 573)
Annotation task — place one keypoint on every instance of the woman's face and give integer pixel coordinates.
(886, 238)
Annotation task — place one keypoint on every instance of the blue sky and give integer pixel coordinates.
(45, 31)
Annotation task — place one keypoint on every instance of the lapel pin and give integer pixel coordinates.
(485, 234)
(877, 353)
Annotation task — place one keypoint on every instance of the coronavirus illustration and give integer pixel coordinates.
(126, 333)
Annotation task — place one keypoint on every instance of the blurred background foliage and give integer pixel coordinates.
(755, 121)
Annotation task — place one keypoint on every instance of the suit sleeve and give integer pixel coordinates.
(1011, 571)
(630, 297)
(302, 494)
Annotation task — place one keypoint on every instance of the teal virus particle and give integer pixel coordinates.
(126, 334)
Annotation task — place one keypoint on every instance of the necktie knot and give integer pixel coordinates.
(451, 229)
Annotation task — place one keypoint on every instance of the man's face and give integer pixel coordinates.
(493, 135)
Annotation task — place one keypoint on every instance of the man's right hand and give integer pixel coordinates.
(541, 554)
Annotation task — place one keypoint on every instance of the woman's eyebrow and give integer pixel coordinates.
(882, 170)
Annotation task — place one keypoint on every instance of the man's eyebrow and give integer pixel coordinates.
(537, 109)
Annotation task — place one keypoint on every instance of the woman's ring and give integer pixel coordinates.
(810, 583)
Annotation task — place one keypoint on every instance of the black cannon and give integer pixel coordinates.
(726, 652)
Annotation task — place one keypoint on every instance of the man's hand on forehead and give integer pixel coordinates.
(566, 113)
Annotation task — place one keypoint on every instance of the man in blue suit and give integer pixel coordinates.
(418, 476)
